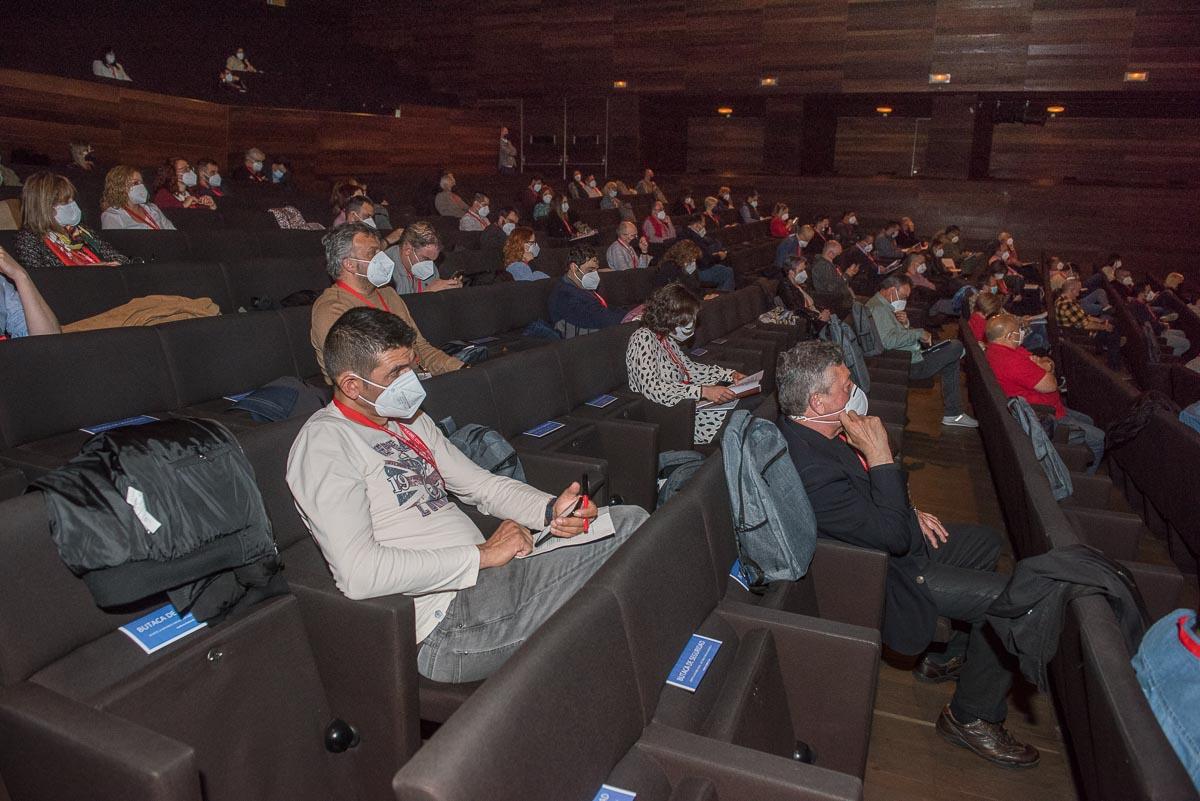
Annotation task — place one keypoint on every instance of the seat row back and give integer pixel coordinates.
(776, 679)
(1117, 747)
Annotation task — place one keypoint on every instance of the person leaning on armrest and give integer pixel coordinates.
(372, 478)
(23, 310)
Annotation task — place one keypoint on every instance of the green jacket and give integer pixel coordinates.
(892, 335)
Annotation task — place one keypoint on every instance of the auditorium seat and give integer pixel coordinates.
(80, 292)
(150, 245)
(12, 483)
(234, 710)
(189, 279)
(273, 277)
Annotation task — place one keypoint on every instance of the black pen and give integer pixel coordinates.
(548, 533)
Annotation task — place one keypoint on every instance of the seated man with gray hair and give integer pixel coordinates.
(859, 495)
(372, 475)
(251, 168)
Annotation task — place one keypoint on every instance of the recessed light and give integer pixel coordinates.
(1138, 76)
(770, 80)
(1056, 109)
(726, 110)
(884, 110)
(620, 84)
(939, 77)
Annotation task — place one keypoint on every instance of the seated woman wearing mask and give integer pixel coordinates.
(173, 187)
(520, 249)
(659, 367)
(52, 235)
(679, 266)
(125, 203)
(107, 66)
(781, 222)
(576, 307)
(611, 200)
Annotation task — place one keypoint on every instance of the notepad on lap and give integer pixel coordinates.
(600, 528)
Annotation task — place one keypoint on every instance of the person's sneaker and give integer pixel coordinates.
(937, 672)
(988, 740)
(1169, 317)
(960, 420)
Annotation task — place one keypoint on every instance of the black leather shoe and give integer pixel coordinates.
(937, 672)
(988, 740)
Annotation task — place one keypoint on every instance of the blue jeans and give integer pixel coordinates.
(486, 624)
(718, 274)
(1094, 302)
(1169, 675)
(1082, 429)
(1036, 339)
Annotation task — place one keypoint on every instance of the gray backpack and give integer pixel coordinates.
(485, 447)
(865, 331)
(841, 335)
(675, 469)
(774, 522)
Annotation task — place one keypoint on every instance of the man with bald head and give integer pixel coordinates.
(1023, 375)
(831, 283)
(627, 252)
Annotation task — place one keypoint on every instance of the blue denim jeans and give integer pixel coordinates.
(719, 274)
(486, 624)
(1169, 674)
(1094, 302)
(1082, 429)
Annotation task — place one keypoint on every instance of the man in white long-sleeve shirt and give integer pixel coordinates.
(372, 476)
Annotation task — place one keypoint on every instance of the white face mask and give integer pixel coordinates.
(1009, 241)
(900, 304)
(564, 208)
(800, 277)
(188, 178)
(662, 215)
(240, 54)
(215, 180)
(257, 166)
(369, 222)
(1116, 264)
(68, 214)
(954, 239)
(483, 211)
(547, 198)
(999, 276)
(379, 269)
(725, 196)
(867, 248)
(578, 179)
(424, 269)
(683, 333)
(754, 204)
(784, 216)
(612, 193)
(537, 186)
(534, 249)
(690, 267)
(701, 232)
(590, 281)
(853, 220)
(1127, 281)
(401, 399)
(802, 243)
(138, 194)
(938, 252)
(508, 227)
(857, 403)
(229, 77)
(110, 58)
(592, 183)
(688, 202)
(921, 269)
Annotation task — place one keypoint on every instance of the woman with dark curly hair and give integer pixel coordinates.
(521, 248)
(659, 367)
(678, 265)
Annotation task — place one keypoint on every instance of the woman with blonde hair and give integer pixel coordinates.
(125, 204)
(519, 249)
(53, 234)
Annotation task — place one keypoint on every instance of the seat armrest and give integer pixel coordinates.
(676, 424)
(554, 472)
(849, 583)
(1115, 534)
(366, 655)
(631, 449)
(52, 747)
(738, 772)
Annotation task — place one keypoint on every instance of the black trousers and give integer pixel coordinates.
(963, 583)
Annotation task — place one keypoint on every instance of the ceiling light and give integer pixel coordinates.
(1139, 76)
(884, 110)
(620, 84)
(726, 110)
(1056, 109)
(770, 80)
(939, 77)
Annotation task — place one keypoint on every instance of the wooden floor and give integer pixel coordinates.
(908, 760)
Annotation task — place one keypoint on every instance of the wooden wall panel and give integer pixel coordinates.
(141, 128)
(1153, 151)
(538, 47)
(716, 144)
(874, 145)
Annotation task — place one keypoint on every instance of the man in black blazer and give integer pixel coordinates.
(860, 496)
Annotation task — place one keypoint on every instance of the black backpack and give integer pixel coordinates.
(1126, 427)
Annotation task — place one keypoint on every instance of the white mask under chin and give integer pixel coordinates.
(857, 403)
(400, 399)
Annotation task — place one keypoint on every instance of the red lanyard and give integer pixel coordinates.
(679, 365)
(147, 220)
(861, 460)
(481, 221)
(600, 298)
(72, 257)
(349, 289)
(632, 253)
(404, 436)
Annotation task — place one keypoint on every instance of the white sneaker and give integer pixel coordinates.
(961, 420)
